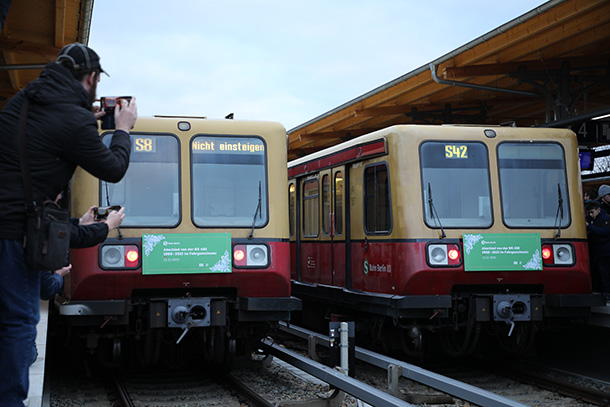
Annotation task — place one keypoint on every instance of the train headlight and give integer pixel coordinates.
(116, 256)
(444, 255)
(251, 255)
(563, 254)
(112, 255)
(438, 254)
(558, 254)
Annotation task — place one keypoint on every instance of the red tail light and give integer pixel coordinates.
(239, 255)
(547, 254)
(444, 254)
(132, 256)
(251, 255)
(119, 256)
(558, 254)
(454, 255)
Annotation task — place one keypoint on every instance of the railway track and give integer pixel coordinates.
(273, 385)
(182, 388)
(479, 385)
(562, 385)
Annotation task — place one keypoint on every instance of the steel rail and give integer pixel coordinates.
(356, 388)
(253, 396)
(442, 383)
(122, 393)
(563, 387)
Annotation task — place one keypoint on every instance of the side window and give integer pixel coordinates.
(325, 204)
(338, 204)
(311, 208)
(377, 199)
(291, 207)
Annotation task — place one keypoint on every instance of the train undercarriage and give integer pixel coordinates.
(210, 331)
(462, 324)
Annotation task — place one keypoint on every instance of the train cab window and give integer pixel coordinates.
(456, 185)
(338, 204)
(325, 204)
(533, 185)
(311, 208)
(150, 190)
(377, 214)
(229, 181)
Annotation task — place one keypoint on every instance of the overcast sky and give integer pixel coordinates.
(281, 60)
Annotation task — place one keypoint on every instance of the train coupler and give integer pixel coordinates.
(508, 308)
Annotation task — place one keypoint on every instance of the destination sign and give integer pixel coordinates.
(204, 145)
(144, 144)
(456, 151)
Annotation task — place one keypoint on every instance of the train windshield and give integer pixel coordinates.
(150, 190)
(229, 181)
(455, 181)
(533, 185)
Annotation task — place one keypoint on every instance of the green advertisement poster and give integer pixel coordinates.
(181, 253)
(502, 252)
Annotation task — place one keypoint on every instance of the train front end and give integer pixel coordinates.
(199, 258)
(503, 236)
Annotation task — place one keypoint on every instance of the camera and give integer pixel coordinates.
(108, 104)
(102, 212)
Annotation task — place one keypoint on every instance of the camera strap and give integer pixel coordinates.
(23, 158)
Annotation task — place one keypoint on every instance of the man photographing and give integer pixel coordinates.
(61, 131)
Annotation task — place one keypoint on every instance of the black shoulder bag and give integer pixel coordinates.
(47, 226)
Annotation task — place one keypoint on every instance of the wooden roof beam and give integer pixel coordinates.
(513, 67)
(407, 109)
(13, 74)
(60, 23)
(29, 48)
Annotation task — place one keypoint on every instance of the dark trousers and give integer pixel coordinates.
(603, 268)
(600, 275)
(19, 315)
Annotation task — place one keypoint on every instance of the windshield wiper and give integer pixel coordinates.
(118, 229)
(257, 211)
(559, 214)
(433, 213)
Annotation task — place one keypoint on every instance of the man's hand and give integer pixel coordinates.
(115, 218)
(125, 115)
(98, 112)
(88, 218)
(64, 270)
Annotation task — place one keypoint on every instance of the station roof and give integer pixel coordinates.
(34, 32)
(548, 66)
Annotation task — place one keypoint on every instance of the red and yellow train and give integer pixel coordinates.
(448, 232)
(203, 252)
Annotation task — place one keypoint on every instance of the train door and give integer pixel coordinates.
(309, 245)
(293, 228)
(333, 221)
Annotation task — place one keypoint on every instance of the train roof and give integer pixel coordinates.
(374, 144)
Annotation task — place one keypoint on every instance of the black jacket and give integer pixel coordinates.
(599, 235)
(61, 134)
(87, 235)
